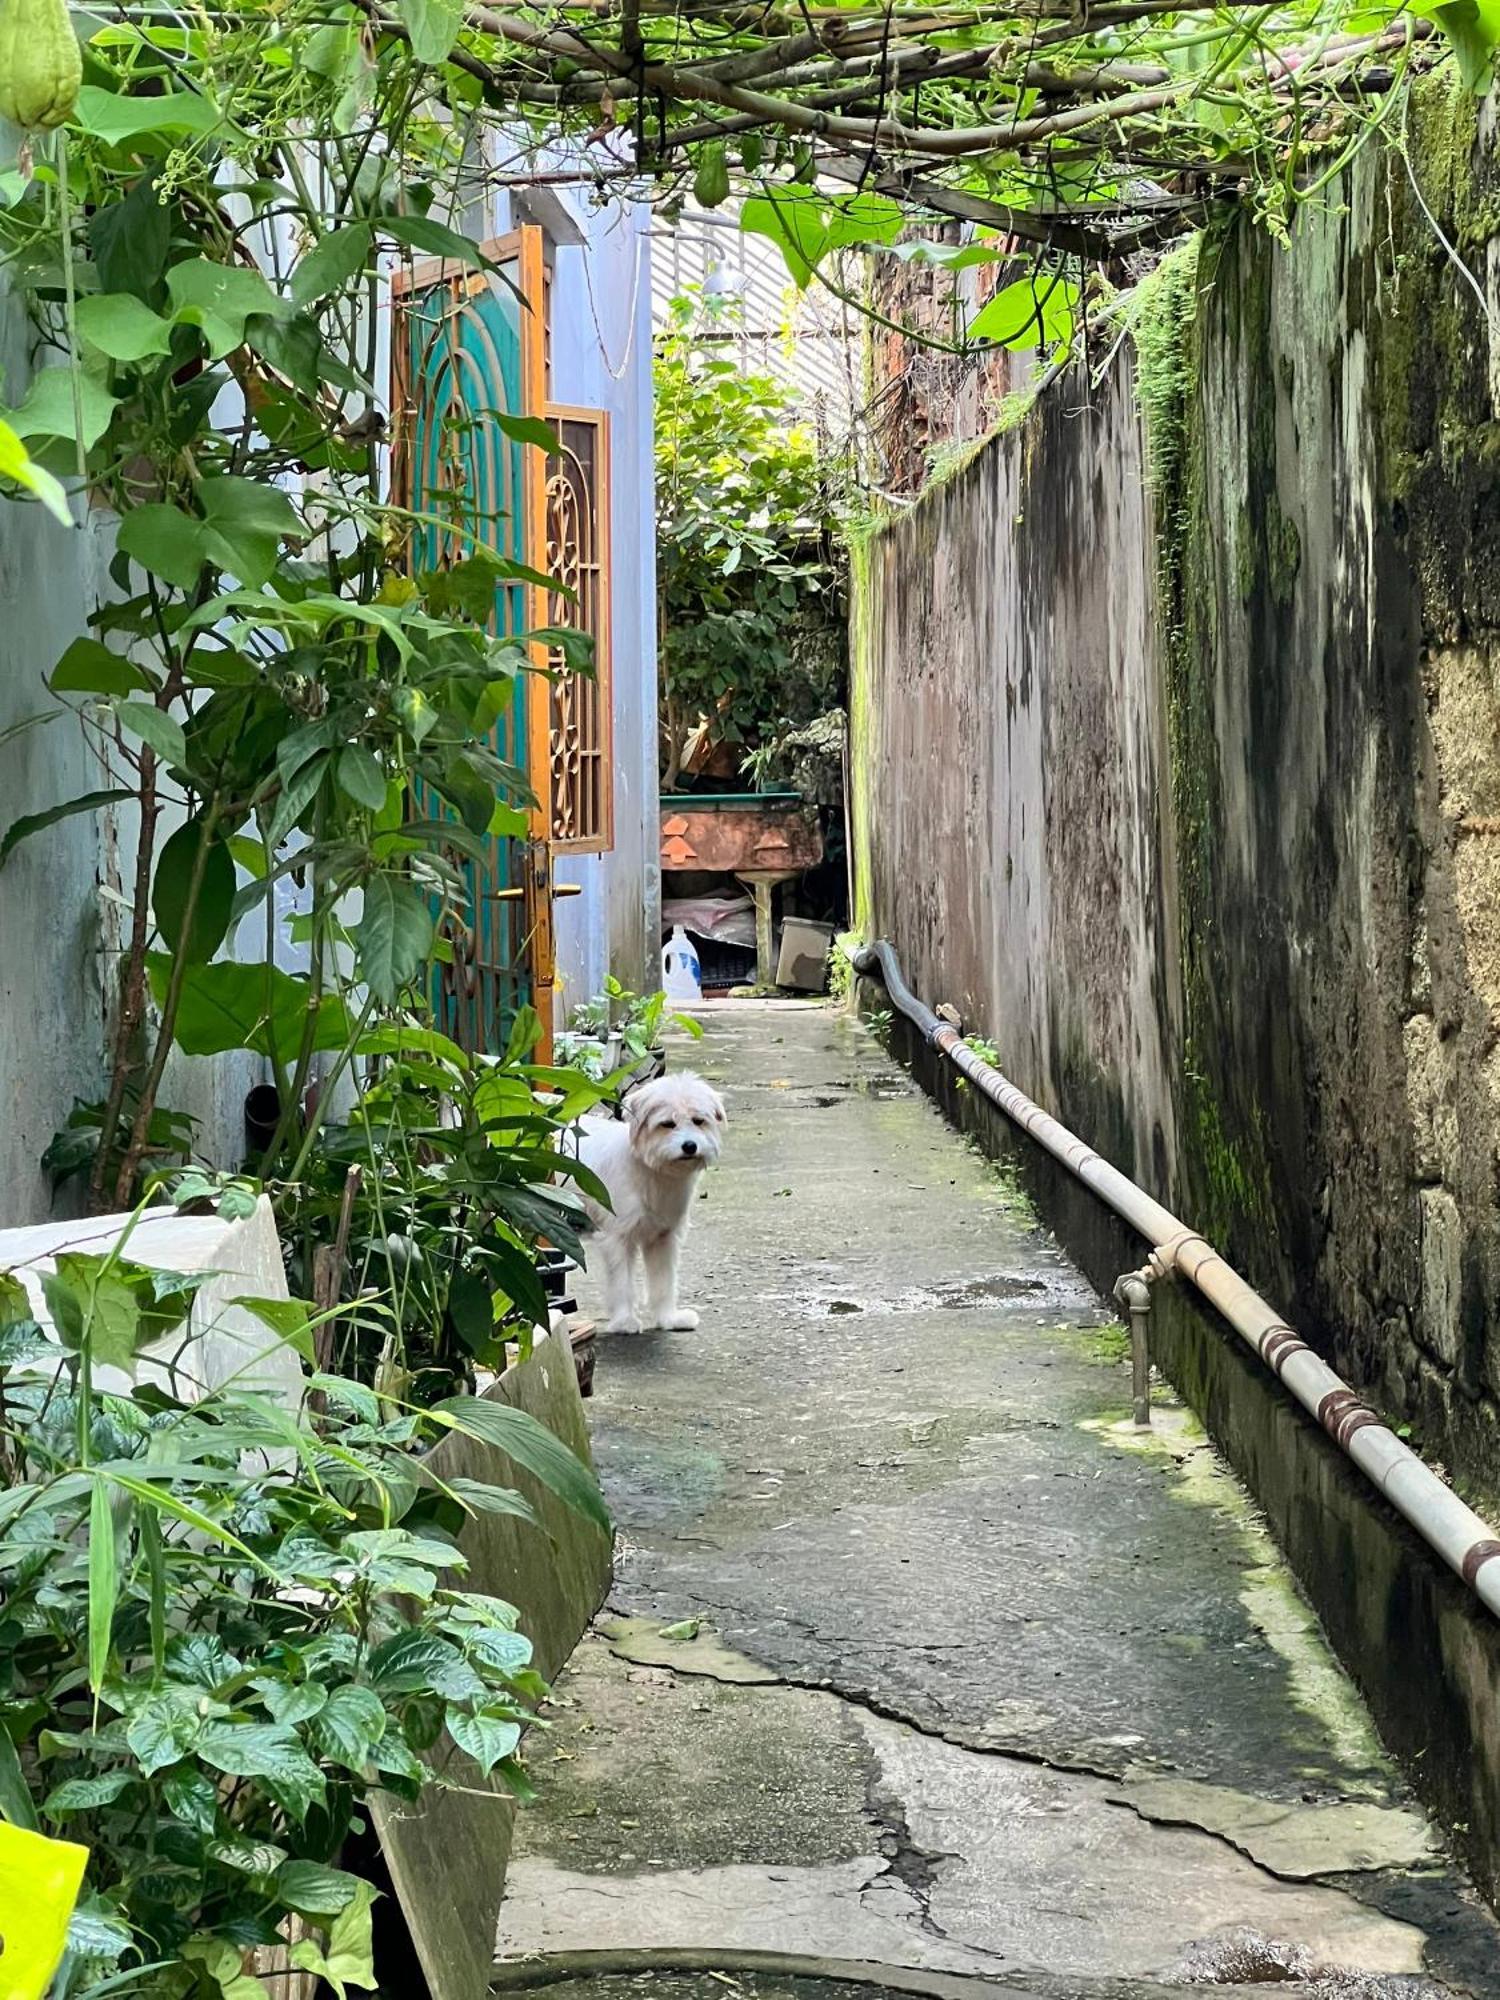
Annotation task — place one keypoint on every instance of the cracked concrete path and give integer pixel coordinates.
(919, 1660)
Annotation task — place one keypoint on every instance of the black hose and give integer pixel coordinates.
(880, 960)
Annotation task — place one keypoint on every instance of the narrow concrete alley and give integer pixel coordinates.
(921, 1667)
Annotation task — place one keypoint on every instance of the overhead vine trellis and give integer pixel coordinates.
(1083, 130)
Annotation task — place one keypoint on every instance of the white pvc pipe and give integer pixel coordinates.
(1468, 1545)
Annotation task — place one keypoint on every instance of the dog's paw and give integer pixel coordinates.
(623, 1323)
(683, 1321)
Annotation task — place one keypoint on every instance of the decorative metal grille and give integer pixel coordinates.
(577, 530)
(458, 359)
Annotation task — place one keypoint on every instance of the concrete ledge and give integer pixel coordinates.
(1420, 1647)
(447, 1857)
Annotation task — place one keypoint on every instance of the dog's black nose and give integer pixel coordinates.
(689, 1147)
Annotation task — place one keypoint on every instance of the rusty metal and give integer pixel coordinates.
(1133, 1293)
(1466, 1543)
(739, 840)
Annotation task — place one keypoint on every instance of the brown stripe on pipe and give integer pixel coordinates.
(1479, 1554)
(1277, 1343)
(1341, 1413)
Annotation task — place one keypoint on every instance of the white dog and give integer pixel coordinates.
(650, 1161)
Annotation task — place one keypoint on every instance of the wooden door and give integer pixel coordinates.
(467, 345)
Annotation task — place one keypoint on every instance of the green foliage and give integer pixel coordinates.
(751, 617)
(638, 1020)
(459, 1175)
(224, 1632)
(260, 679)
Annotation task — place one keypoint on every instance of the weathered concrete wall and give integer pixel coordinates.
(1177, 744)
(1183, 780)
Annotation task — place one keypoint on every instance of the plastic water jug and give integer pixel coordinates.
(679, 967)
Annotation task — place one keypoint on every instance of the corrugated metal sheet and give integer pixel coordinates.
(809, 340)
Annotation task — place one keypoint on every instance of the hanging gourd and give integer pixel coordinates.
(41, 64)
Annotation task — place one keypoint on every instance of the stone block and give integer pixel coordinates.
(1442, 1273)
(1430, 1100)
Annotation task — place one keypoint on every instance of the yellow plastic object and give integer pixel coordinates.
(39, 1884)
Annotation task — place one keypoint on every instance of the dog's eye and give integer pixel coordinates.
(700, 1123)
(666, 1125)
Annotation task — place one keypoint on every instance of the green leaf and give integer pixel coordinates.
(360, 777)
(154, 1552)
(130, 239)
(97, 1931)
(296, 795)
(192, 1798)
(1033, 312)
(291, 1702)
(47, 410)
(484, 1498)
(349, 1960)
(18, 466)
(88, 667)
(525, 430)
(93, 1302)
(86, 1794)
(115, 118)
(219, 298)
(166, 541)
(245, 523)
(350, 1724)
(807, 226)
(30, 823)
(199, 940)
(15, 1301)
(331, 262)
(164, 1728)
(393, 936)
(470, 1311)
(420, 232)
(258, 1858)
(290, 1319)
(531, 1445)
(432, 27)
(155, 728)
(409, 1038)
(315, 1891)
(121, 327)
(486, 1738)
(410, 1662)
(104, 1579)
(16, 1803)
(259, 1750)
(230, 1006)
(1473, 27)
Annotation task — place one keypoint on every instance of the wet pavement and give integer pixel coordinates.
(923, 1671)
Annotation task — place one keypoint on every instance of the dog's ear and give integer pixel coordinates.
(633, 1104)
(721, 1117)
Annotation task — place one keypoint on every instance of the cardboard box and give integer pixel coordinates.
(803, 964)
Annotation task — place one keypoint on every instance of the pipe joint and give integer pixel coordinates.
(1133, 1294)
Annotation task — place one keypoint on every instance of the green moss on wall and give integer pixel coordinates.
(1227, 1170)
(1429, 379)
(864, 558)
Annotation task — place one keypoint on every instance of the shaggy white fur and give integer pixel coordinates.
(650, 1161)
